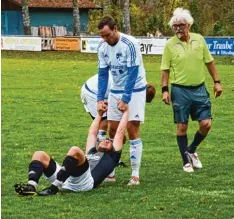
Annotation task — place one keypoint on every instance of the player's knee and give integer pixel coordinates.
(181, 129)
(40, 156)
(205, 126)
(133, 130)
(73, 150)
(76, 152)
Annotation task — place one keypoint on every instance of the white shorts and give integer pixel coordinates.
(90, 102)
(136, 107)
(77, 184)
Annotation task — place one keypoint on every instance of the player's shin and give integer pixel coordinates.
(69, 164)
(182, 142)
(135, 156)
(34, 173)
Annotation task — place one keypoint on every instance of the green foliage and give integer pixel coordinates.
(210, 17)
(42, 110)
(94, 17)
(193, 8)
(146, 19)
(219, 29)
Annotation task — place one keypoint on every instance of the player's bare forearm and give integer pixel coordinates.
(92, 135)
(120, 133)
(95, 125)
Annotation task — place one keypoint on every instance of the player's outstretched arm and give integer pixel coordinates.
(120, 133)
(93, 130)
(92, 135)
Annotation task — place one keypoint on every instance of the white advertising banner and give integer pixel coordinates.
(152, 46)
(21, 43)
(148, 46)
(89, 45)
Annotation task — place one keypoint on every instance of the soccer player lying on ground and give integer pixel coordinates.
(89, 99)
(79, 172)
(88, 95)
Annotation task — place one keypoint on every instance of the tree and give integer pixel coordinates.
(105, 6)
(26, 17)
(76, 18)
(126, 17)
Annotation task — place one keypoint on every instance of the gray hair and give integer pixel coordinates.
(181, 14)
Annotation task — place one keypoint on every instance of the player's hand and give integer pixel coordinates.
(102, 107)
(217, 89)
(166, 98)
(122, 106)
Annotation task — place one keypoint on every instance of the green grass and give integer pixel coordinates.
(41, 110)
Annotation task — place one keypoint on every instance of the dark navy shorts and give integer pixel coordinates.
(193, 101)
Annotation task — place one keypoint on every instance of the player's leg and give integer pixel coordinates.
(202, 114)
(113, 125)
(182, 102)
(135, 150)
(182, 141)
(136, 117)
(40, 161)
(113, 116)
(75, 157)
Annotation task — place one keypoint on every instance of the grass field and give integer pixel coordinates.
(41, 110)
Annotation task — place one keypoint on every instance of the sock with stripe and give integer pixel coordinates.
(34, 173)
(135, 156)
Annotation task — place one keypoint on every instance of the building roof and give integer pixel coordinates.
(56, 3)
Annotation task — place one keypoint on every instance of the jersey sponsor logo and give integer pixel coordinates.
(121, 71)
(119, 55)
(92, 157)
(137, 116)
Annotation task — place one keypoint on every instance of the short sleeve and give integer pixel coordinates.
(101, 56)
(93, 150)
(166, 58)
(133, 54)
(207, 56)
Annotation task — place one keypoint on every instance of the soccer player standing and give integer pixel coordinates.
(185, 56)
(120, 53)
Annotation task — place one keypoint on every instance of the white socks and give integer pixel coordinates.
(101, 135)
(33, 183)
(135, 156)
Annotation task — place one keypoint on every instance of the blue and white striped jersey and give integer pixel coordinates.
(92, 85)
(121, 60)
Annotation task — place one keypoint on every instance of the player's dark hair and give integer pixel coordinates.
(150, 92)
(107, 20)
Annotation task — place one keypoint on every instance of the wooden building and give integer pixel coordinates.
(47, 13)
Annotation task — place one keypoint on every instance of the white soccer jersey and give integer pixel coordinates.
(126, 53)
(91, 86)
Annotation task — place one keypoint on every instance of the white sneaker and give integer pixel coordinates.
(110, 179)
(134, 181)
(188, 168)
(195, 160)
